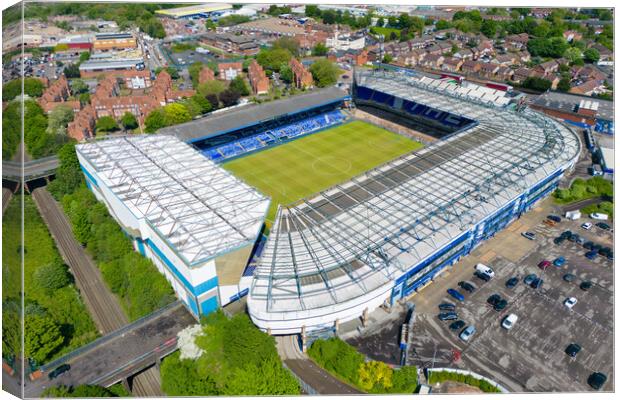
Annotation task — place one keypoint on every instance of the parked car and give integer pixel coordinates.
(585, 285)
(482, 276)
(529, 279)
(569, 277)
(566, 234)
(512, 282)
(604, 251)
(580, 240)
(447, 307)
(528, 235)
(447, 316)
(61, 369)
(509, 321)
(591, 255)
(456, 294)
(610, 256)
(544, 264)
(467, 286)
(467, 333)
(570, 302)
(500, 305)
(456, 325)
(599, 216)
(554, 218)
(536, 283)
(558, 240)
(597, 380)
(588, 245)
(559, 262)
(494, 299)
(573, 349)
(603, 226)
(485, 270)
(587, 225)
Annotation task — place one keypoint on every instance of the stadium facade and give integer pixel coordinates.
(383, 235)
(341, 253)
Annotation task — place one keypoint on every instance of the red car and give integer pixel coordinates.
(544, 264)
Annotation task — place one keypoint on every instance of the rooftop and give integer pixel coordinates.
(198, 208)
(191, 10)
(227, 121)
(568, 103)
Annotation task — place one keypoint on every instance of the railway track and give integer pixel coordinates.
(101, 303)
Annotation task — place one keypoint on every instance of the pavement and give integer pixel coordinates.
(6, 198)
(102, 305)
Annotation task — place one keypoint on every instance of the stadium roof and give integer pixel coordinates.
(180, 12)
(227, 121)
(330, 253)
(198, 208)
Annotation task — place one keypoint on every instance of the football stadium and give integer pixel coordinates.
(320, 216)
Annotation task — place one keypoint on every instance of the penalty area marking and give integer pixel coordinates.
(341, 165)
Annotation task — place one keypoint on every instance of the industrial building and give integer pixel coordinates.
(196, 221)
(198, 11)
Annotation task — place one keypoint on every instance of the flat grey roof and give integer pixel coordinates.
(108, 64)
(568, 103)
(227, 121)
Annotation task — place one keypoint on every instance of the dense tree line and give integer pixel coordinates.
(345, 362)
(134, 278)
(324, 72)
(238, 359)
(84, 391)
(33, 87)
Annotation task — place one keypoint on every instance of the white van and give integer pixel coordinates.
(485, 270)
(509, 321)
(602, 217)
(573, 215)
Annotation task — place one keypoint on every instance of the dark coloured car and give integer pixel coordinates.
(529, 279)
(573, 349)
(610, 256)
(467, 286)
(591, 255)
(494, 299)
(59, 371)
(554, 218)
(604, 251)
(558, 240)
(448, 316)
(597, 380)
(580, 240)
(573, 237)
(569, 277)
(447, 307)
(536, 283)
(512, 282)
(456, 294)
(456, 325)
(585, 285)
(482, 276)
(566, 234)
(603, 226)
(596, 247)
(588, 245)
(501, 304)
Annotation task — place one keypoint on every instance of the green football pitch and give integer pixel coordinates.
(299, 168)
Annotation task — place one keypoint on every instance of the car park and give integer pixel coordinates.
(447, 307)
(456, 325)
(559, 262)
(529, 235)
(509, 321)
(467, 333)
(587, 225)
(448, 316)
(61, 369)
(456, 294)
(597, 380)
(570, 302)
(529, 279)
(573, 349)
(569, 277)
(512, 282)
(585, 285)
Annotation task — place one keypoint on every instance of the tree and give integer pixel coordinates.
(272, 59)
(564, 85)
(380, 22)
(58, 119)
(286, 43)
(320, 50)
(387, 58)
(79, 86)
(194, 72)
(52, 276)
(324, 72)
(286, 73)
(32, 87)
(84, 98)
(238, 85)
(68, 174)
(591, 56)
(85, 55)
(106, 124)
(538, 84)
(213, 87)
(42, 337)
(72, 71)
(204, 104)
(375, 376)
(489, 28)
(129, 121)
(572, 54)
(176, 114)
(229, 97)
(313, 11)
(442, 24)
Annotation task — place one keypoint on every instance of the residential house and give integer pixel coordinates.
(504, 73)
(506, 59)
(488, 70)
(302, 78)
(588, 88)
(206, 74)
(258, 79)
(547, 67)
(433, 61)
(571, 36)
(229, 71)
(470, 67)
(451, 64)
(517, 42)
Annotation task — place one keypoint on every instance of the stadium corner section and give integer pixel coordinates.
(195, 221)
(337, 256)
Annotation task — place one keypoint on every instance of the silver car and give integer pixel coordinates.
(467, 333)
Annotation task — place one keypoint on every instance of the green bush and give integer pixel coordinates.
(337, 357)
(442, 376)
(582, 189)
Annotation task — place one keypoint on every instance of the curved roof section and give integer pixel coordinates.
(330, 251)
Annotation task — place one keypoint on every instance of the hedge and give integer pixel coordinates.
(442, 376)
